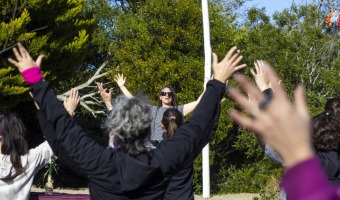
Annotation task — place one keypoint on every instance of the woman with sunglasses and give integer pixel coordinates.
(167, 99)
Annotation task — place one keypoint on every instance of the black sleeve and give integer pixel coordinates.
(66, 138)
(192, 136)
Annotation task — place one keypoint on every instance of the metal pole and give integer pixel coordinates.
(207, 75)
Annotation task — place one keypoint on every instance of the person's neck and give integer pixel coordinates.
(165, 105)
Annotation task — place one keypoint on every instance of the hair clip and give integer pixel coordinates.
(172, 117)
(327, 113)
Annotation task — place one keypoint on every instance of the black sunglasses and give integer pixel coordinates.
(169, 94)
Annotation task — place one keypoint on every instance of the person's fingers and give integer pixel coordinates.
(22, 50)
(215, 59)
(13, 62)
(230, 53)
(75, 94)
(72, 94)
(78, 97)
(234, 58)
(39, 60)
(248, 86)
(300, 101)
(241, 119)
(241, 100)
(116, 78)
(239, 67)
(16, 53)
(110, 91)
(256, 68)
(252, 72)
(100, 86)
(237, 61)
(273, 77)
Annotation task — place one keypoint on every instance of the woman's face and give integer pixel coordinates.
(166, 96)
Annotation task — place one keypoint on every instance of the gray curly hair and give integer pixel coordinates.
(129, 124)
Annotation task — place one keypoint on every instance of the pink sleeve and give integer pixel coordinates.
(32, 75)
(307, 181)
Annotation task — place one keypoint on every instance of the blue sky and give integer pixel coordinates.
(271, 5)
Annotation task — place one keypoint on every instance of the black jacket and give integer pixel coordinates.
(180, 186)
(113, 174)
(330, 162)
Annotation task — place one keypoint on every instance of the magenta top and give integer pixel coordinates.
(307, 181)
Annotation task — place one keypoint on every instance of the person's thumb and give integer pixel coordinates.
(39, 60)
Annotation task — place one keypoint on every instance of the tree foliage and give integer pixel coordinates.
(58, 29)
(155, 43)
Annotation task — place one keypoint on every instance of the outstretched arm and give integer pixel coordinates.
(67, 139)
(189, 107)
(120, 79)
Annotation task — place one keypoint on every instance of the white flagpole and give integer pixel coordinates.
(207, 75)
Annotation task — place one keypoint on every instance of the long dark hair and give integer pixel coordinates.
(172, 120)
(13, 140)
(174, 102)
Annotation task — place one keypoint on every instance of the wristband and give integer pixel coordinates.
(32, 75)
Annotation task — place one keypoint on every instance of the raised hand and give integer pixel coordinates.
(23, 59)
(105, 95)
(285, 126)
(120, 79)
(71, 102)
(260, 75)
(228, 66)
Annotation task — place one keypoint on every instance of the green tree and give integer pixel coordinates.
(58, 29)
(301, 50)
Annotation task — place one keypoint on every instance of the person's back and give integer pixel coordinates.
(180, 185)
(18, 165)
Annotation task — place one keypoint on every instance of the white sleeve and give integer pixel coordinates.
(41, 155)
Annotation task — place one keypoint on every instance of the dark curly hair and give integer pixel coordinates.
(129, 123)
(333, 105)
(326, 132)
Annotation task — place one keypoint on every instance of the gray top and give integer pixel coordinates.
(272, 154)
(157, 113)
